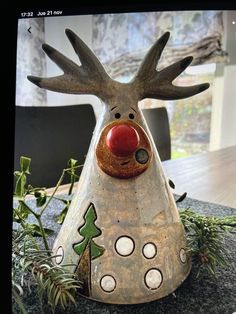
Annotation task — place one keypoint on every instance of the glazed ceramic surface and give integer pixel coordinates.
(122, 232)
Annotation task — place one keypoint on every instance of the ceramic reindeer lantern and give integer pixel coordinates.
(122, 231)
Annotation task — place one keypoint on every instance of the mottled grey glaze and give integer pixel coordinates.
(141, 207)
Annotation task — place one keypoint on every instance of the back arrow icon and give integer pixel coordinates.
(29, 29)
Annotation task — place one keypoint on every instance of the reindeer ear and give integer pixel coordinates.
(154, 84)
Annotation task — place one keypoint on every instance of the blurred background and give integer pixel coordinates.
(197, 124)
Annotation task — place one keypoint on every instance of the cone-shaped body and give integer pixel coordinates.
(122, 231)
(143, 239)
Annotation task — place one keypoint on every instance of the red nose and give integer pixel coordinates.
(122, 140)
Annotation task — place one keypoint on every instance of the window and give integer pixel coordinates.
(190, 118)
(193, 33)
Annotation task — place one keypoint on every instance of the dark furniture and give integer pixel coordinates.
(158, 123)
(50, 136)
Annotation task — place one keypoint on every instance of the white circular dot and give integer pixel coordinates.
(153, 278)
(124, 246)
(182, 255)
(60, 255)
(108, 283)
(149, 250)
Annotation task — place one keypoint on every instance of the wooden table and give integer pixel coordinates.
(209, 177)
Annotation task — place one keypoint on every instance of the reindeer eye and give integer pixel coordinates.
(131, 116)
(117, 115)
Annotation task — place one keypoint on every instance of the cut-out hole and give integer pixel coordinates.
(183, 255)
(124, 246)
(141, 156)
(153, 278)
(60, 253)
(149, 250)
(108, 283)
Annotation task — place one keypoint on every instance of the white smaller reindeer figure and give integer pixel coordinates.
(122, 231)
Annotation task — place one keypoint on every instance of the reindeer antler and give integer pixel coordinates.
(89, 78)
(158, 84)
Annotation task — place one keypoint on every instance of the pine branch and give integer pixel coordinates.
(56, 282)
(16, 295)
(205, 237)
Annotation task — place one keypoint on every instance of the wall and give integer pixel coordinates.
(223, 126)
(228, 126)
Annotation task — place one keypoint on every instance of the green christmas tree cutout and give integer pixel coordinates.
(89, 231)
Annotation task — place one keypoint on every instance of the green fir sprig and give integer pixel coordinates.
(34, 267)
(205, 235)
